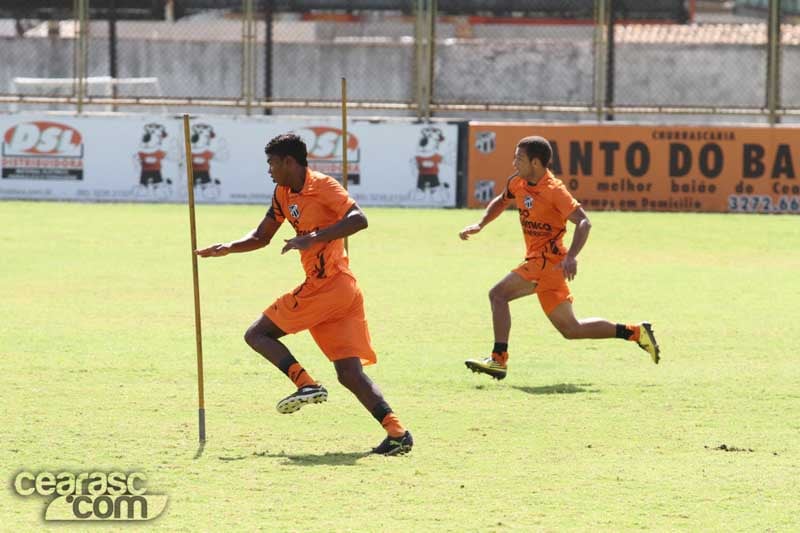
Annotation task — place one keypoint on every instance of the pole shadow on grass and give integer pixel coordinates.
(308, 459)
(200, 448)
(559, 388)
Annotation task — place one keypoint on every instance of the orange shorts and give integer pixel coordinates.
(332, 312)
(551, 285)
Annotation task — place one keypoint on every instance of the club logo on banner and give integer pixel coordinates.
(484, 191)
(325, 152)
(486, 141)
(42, 150)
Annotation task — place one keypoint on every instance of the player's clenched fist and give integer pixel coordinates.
(472, 229)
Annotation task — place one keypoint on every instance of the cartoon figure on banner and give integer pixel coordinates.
(153, 150)
(426, 165)
(205, 147)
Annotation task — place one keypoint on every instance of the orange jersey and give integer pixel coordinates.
(201, 161)
(543, 212)
(428, 164)
(151, 161)
(321, 203)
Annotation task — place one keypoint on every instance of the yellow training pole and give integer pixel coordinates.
(197, 329)
(344, 142)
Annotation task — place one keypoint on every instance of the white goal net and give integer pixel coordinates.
(97, 86)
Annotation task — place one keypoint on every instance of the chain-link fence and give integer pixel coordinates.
(375, 51)
(35, 57)
(717, 63)
(547, 61)
(789, 91)
(596, 58)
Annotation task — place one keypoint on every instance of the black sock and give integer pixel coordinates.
(285, 363)
(500, 347)
(623, 332)
(380, 411)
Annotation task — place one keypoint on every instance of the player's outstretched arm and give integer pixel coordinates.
(354, 220)
(493, 210)
(258, 238)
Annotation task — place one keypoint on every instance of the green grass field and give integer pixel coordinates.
(97, 369)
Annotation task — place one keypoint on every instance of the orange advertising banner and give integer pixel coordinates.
(650, 168)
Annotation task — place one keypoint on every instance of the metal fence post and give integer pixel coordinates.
(774, 61)
(419, 6)
(610, 48)
(248, 54)
(600, 44)
(84, 40)
(433, 9)
(268, 54)
(76, 8)
(424, 35)
(80, 50)
(112, 48)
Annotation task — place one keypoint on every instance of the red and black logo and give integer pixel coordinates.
(325, 152)
(42, 150)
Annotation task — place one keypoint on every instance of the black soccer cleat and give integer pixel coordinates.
(303, 396)
(395, 445)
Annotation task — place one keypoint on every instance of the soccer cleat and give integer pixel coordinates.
(303, 396)
(395, 445)
(647, 341)
(487, 366)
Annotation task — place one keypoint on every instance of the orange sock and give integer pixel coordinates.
(636, 331)
(501, 358)
(393, 426)
(299, 376)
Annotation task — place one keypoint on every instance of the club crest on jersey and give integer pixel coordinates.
(294, 211)
(528, 202)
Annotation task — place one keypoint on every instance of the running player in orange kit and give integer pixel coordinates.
(544, 206)
(328, 303)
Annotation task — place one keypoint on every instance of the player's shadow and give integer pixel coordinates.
(330, 459)
(560, 388)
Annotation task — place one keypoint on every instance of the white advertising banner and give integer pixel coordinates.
(141, 158)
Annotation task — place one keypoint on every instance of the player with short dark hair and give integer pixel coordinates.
(328, 303)
(288, 144)
(544, 205)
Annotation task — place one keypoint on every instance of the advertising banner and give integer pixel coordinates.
(650, 168)
(141, 158)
